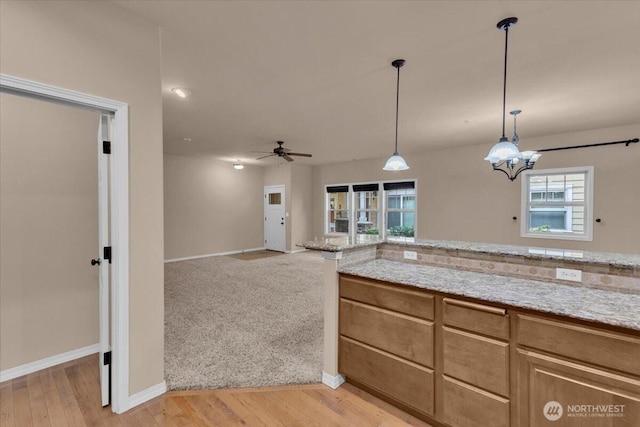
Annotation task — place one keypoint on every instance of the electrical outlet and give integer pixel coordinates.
(411, 255)
(568, 274)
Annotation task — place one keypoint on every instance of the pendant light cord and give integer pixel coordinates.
(397, 107)
(504, 83)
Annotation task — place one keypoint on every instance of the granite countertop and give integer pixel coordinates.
(597, 305)
(338, 244)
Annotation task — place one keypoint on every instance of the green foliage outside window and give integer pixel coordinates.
(404, 231)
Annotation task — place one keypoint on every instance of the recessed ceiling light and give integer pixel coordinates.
(181, 92)
(186, 140)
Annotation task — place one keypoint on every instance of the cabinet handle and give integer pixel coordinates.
(479, 307)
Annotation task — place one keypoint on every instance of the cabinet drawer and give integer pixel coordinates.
(405, 381)
(402, 335)
(467, 406)
(415, 303)
(590, 345)
(479, 318)
(478, 360)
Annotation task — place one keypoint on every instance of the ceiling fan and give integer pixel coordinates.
(279, 151)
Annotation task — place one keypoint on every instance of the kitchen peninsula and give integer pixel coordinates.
(469, 334)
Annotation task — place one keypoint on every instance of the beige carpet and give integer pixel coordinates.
(250, 256)
(233, 323)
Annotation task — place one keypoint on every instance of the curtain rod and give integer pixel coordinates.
(571, 147)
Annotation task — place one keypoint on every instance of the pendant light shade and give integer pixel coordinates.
(396, 162)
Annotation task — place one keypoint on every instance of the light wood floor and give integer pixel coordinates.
(69, 395)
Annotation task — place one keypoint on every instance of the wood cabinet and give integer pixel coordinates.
(579, 374)
(387, 341)
(558, 392)
(464, 363)
(475, 364)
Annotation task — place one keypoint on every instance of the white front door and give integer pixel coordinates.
(104, 260)
(274, 218)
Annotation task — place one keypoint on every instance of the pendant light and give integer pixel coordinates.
(504, 156)
(396, 162)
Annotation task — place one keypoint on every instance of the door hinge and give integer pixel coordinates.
(107, 358)
(107, 253)
(106, 147)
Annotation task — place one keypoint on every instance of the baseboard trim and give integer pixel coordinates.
(27, 368)
(147, 394)
(297, 251)
(333, 381)
(216, 254)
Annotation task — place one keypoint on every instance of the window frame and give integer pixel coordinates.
(328, 210)
(381, 210)
(567, 206)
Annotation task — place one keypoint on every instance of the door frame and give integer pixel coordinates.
(267, 189)
(119, 213)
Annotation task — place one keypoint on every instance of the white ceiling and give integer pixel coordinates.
(317, 74)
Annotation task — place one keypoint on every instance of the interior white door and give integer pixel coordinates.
(274, 218)
(104, 260)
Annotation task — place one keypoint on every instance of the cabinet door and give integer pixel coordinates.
(559, 393)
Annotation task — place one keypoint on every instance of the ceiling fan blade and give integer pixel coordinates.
(264, 157)
(263, 152)
(300, 154)
(287, 158)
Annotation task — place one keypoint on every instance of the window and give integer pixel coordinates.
(384, 209)
(338, 209)
(401, 209)
(365, 200)
(558, 203)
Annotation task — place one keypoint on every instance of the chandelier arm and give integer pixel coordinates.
(496, 168)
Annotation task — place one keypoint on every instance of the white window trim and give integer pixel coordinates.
(588, 205)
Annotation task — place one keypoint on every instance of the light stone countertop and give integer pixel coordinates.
(337, 244)
(597, 305)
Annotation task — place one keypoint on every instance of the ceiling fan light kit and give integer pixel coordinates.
(396, 162)
(238, 165)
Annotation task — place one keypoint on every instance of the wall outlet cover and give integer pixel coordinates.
(569, 274)
(411, 255)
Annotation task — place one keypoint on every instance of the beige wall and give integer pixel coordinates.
(301, 204)
(98, 48)
(210, 207)
(461, 198)
(48, 230)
